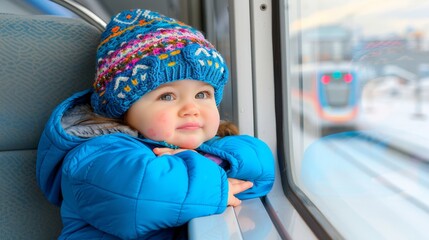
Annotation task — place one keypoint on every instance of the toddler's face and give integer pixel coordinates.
(183, 113)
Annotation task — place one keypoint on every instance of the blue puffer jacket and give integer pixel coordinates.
(113, 186)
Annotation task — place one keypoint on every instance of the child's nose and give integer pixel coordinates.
(189, 109)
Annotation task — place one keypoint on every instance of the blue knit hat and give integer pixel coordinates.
(140, 50)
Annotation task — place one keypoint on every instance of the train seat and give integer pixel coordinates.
(43, 60)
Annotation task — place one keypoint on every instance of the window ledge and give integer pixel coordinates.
(250, 220)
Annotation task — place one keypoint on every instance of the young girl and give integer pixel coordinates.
(137, 156)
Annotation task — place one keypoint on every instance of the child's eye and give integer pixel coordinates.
(202, 95)
(167, 97)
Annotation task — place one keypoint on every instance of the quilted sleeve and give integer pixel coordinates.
(120, 187)
(251, 159)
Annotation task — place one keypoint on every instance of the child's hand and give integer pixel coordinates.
(167, 151)
(236, 186)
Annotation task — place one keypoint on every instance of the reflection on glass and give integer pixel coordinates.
(359, 94)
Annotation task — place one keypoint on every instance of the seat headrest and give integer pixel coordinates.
(43, 60)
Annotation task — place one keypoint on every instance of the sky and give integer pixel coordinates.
(369, 17)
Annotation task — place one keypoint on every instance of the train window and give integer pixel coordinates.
(356, 87)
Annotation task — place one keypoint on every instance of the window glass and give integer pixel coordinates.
(358, 77)
(34, 7)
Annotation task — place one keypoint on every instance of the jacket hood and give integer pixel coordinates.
(62, 133)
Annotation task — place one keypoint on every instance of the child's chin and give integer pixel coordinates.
(190, 145)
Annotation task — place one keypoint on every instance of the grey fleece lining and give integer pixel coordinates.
(73, 118)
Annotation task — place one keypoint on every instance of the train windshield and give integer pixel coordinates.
(337, 87)
(341, 92)
(357, 96)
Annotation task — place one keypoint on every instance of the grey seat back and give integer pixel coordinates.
(43, 60)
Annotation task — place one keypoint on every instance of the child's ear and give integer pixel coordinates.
(227, 128)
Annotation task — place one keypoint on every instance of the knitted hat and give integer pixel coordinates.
(140, 50)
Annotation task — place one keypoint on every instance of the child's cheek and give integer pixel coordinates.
(160, 127)
(151, 133)
(162, 118)
(167, 134)
(166, 125)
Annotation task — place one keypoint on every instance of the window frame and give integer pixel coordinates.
(319, 224)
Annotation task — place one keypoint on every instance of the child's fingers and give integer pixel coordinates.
(240, 187)
(162, 151)
(235, 181)
(167, 151)
(233, 201)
